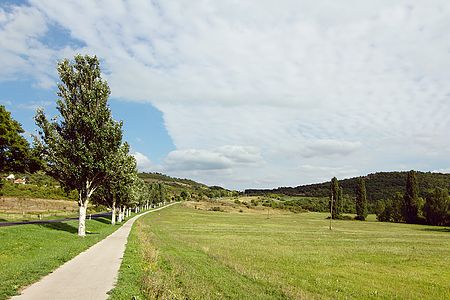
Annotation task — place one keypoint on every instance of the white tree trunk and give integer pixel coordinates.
(82, 219)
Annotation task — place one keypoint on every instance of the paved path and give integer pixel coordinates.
(90, 275)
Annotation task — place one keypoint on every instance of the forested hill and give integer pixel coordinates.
(178, 185)
(382, 185)
(162, 178)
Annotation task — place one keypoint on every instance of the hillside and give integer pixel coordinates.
(382, 185)
(178, 185)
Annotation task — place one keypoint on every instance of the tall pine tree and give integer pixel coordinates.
(335, 198)
(410, 207)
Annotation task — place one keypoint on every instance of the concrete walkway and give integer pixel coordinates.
(90, 275)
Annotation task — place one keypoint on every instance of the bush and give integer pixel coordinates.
(216, 208)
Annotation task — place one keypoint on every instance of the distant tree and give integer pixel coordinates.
(80, 147)
(390, 210)
(361, 200)
(184, 195)
(340, 201)
(15, 152)
(161, 193)
(335, 198)
(436, 207)
(410, 207)
(114, 191)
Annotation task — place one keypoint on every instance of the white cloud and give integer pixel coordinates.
(22, 52)
(225, 157)
(143, 163)
(34, 105)
(356, 86)
(329, 147)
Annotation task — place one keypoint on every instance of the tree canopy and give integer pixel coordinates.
(15, 152)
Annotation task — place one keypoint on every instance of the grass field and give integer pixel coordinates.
(188, 253)
(28, 252)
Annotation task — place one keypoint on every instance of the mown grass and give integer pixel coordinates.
(28, 252)
(186, 253)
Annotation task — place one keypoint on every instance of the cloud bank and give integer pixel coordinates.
(261, 94)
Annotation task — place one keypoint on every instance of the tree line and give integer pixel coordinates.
(380, 186)
(408, 207)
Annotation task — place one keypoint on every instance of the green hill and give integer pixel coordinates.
(382, 185)
(177, 185)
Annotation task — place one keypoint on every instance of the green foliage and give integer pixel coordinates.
(79, 149)
(184, 195)
(437, 207)
(15, 152)
(119, 190)
(361, 200)
(390, 210)
(410, 208)
(336, 195)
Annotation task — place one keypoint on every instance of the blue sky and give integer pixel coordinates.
(259, 94)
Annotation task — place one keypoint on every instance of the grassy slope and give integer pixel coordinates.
(182, 252)
(28, 252)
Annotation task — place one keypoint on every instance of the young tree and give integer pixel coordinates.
(436, 206)
(80, 147)
(361, 200)
(410, 208)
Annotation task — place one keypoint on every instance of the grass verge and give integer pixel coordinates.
(186, 253)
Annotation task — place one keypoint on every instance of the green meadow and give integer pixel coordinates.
(190, 253)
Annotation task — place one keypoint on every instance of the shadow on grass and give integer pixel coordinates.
(60, 226)
(3, 220)
(103, 220)
(437, 229)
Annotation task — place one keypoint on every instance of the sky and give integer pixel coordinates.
(248, 94)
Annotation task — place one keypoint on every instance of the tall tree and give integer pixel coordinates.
(335, 195)
(79, 148)
(436, 207)
(410, 206)
(15, 152)
(361, 200)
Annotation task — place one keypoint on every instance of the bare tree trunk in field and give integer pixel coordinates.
(113, 213)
